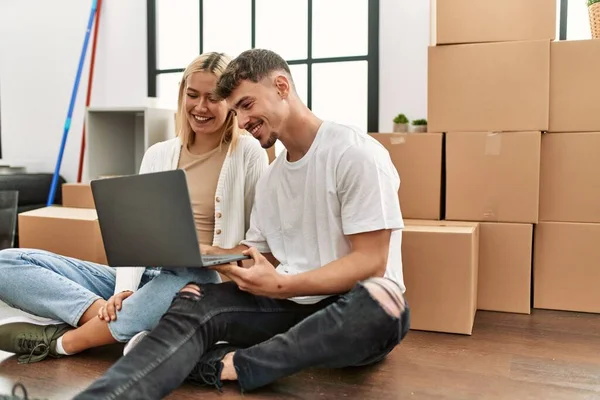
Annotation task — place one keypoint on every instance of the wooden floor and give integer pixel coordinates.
(546, 355)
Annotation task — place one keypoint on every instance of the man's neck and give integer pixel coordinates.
(299, 133)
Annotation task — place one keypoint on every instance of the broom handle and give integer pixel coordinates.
(89, 91)
(67, 126)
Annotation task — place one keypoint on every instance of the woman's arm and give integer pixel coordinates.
(128, 278)
(257, 162)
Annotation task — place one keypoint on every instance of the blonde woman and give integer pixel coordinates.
(92, 305)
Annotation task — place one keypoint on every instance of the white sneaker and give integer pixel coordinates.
(134, 341)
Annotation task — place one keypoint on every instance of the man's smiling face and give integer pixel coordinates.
(261, 107)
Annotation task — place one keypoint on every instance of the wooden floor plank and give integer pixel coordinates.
(546, 355)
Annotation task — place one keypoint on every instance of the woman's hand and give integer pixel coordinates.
(206, 250)
(108, 312)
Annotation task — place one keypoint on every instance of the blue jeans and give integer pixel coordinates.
(277, 338)
(63, 288)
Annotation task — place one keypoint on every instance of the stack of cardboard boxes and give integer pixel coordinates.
(566, 267)
(488, 91)
(514, 169)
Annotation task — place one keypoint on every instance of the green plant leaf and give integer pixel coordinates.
(590, 2)
(401, 119)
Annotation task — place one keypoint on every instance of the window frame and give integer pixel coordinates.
(563, 19)
(372, 56)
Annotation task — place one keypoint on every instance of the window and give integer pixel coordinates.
(578, 21)
(330, 45)
(573, 17)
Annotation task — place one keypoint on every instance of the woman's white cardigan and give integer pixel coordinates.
(233, 198)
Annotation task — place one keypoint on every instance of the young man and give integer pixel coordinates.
(327, 215)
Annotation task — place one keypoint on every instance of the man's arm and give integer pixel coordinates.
(368, 258)
(367, 188)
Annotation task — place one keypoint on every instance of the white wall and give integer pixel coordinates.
(578, 27)
(403, 41)
(40, 46)
(39, 56)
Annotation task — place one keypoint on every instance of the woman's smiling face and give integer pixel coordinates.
(206, 115)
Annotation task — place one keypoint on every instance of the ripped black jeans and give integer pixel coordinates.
(278, 338)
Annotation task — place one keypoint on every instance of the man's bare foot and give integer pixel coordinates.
(228, 373)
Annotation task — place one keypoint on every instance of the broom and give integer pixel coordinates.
(67, 126)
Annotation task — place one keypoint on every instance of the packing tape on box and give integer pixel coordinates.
(493, 143)
(397, 139)
(491, 201)
(490, 213)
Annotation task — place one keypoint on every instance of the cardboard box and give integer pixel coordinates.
(570, 177)
(77, 195)
(440, 272)
(505, 263)
(493, 177)
(418, 159)
(566, 266)
(574, 86)
(71, 232)
(474, 21)
(505, 257)
(489, 87)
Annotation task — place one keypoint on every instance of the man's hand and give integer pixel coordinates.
(260, 279)
(108, 312)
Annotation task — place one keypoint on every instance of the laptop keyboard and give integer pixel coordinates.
(214, 257)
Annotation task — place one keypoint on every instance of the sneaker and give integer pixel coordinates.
(208, 370)
(30, 319)
(13, 396)
(134, 341)
(32, 340)
(5, 323)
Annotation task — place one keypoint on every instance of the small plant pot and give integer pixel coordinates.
(400, 127)
(419, 128)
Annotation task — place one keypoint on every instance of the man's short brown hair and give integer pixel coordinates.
(254, 65)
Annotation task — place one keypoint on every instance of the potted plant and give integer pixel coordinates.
(594, 15)
(419, 125)
(400, 123)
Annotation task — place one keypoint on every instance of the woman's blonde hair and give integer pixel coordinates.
(214, 63)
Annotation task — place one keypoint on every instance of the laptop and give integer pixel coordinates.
(147, 220)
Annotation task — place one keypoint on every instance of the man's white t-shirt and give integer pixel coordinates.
(345, 184)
